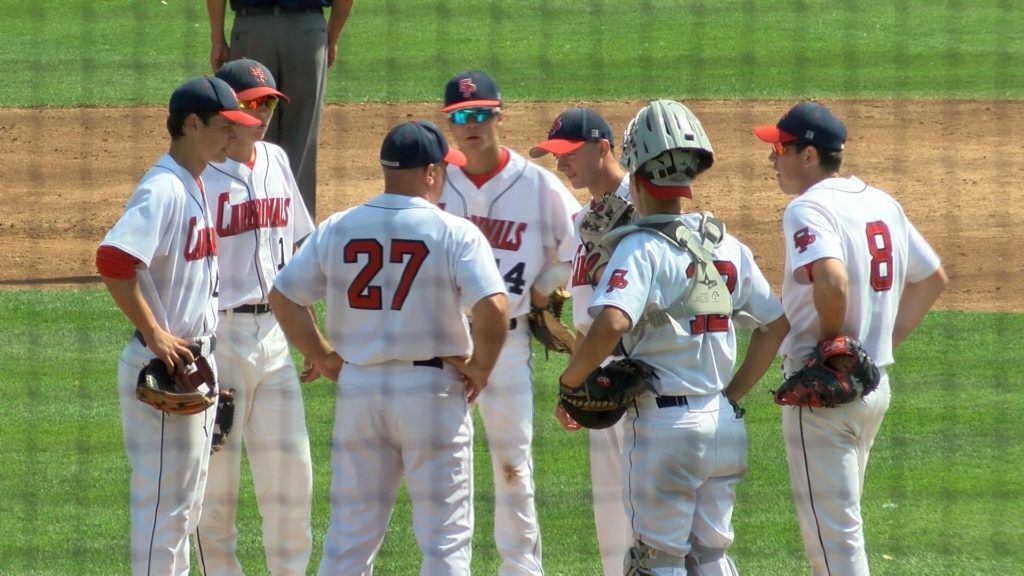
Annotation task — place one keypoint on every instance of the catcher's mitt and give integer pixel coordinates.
(838, 372)
(606, 393)
(610, 213)
(546, 325)
(188, 391)
(224, 420)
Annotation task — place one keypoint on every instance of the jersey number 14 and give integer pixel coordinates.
(365, 296)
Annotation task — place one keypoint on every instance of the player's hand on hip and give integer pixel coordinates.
(310, 371)
(473, 376)
(218, 54)
(564, 419)
(329, 366)
(172, 350)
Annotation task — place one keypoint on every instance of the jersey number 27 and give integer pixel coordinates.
(365, 296)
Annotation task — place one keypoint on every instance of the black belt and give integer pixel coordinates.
(275, 9)
(252, 309)
(211, 339)
(434, 362)
(670, 401)
(512, 324)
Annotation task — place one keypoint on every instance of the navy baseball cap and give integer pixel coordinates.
(808, 122)
(471, 89)
(249, 79)
(415, 144)
(571, 130)
(209, 94)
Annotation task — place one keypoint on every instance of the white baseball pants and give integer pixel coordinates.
(393, 420)
(506, 408)
(614, 536)
(169, 456)
(827, 450)
(682, 465)
(255, 362)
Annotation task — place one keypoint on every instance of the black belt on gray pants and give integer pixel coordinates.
(252, 309)
(434, 362)
(275, 9)
(207, 344)
(669, 401)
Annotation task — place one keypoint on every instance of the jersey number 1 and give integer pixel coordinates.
(364, 296)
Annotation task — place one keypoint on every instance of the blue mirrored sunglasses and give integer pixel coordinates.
(479, 115)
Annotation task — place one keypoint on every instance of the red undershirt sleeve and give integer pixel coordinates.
(115, 263)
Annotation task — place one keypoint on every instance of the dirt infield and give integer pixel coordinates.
(956, 167)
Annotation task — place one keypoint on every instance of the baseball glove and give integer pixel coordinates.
(224, 420)
(606, 393)
(838, 372)
(610, 213)
(546, 325)
(185, 392)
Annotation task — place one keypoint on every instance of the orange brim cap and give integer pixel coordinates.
(556, 146)
(240, 118)
(472, 104)
(260, 92)
(455, 158)
(772, 135)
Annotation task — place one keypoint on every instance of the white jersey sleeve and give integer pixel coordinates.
(564, 208)
(395, 273)
(923, 259)
(166, 225)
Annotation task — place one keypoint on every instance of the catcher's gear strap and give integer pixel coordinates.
(707, 292)
(641, 560)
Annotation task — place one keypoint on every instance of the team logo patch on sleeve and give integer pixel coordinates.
(803, 238)
(618, 280)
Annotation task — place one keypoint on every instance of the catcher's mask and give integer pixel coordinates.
(593, 420)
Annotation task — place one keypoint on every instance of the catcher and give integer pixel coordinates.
(669, 290)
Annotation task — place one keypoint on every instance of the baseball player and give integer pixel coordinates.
(855, 266)
(158, 263)
(686, 446)
(526, 214)
(396, 273)
(258, 216)
(582, 142)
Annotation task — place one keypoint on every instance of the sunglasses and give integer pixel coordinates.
(269, 101)
(779, 148)
(479, 115)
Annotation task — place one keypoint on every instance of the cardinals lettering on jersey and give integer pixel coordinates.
(200, 243)
(502, 234)
(251, 215)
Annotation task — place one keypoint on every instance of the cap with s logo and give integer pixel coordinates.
(571, 130)
(471, 89)
(209, 94)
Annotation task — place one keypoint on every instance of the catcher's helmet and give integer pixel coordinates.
(593, 420)
(666, 144)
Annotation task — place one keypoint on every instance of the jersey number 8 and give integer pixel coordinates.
(364, 296)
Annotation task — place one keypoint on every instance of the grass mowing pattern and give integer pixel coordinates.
(133, 52)
(945, 490)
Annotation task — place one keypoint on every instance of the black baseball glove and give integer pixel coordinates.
(606, 393)
(838, 372)
(187, 391)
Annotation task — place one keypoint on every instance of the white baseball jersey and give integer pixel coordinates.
(526, 214)
(166, 225)
(866, 229)
(579, 284)
(647, 272)
(258, 214)
(396, 273)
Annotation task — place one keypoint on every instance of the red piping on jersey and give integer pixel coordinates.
(479, 180)
(115, 263)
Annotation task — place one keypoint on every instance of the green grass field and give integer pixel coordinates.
(945, 490)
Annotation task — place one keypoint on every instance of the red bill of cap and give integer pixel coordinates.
(260, 92)
(772, 135)
(240, 118)
(455, 157)
(556, 146)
